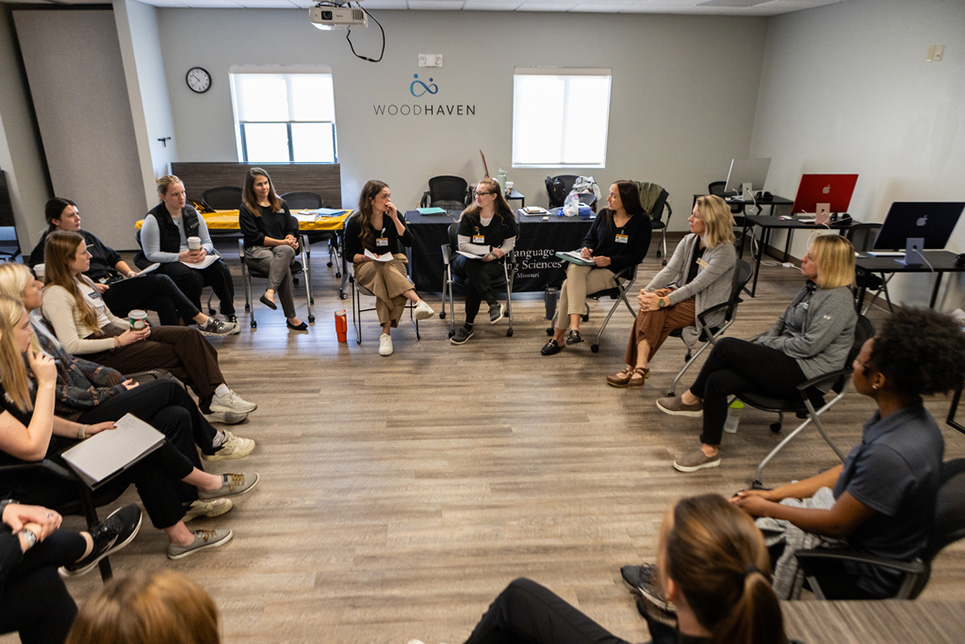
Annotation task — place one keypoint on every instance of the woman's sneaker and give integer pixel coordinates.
(461, 336)
(212, 508)
(231, 402)
(496, 312)
(232, 447)
(231, 485)
(109, 536)
(203, 539)
(215, 326)
(423, 311)
(643, 581)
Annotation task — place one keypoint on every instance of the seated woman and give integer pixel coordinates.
(487, 230)
(885, 492)
(148, 606)
(32, 548)
(271, 240)
(713, 565)
(110, 273)
(375, 229)
(812, 338)
(90, 393)
(164, 239)
(83, 324)
(618, 238)
(30, 432)
(699, 276)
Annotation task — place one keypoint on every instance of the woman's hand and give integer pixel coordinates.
(391, 211)
(601, 261)
(751, 503)
(101, 288)
(131, 336)
(97, 428)
(586, 253)
(647, 301)
(130, 384)
(43, 367)
(16, 515)
(497, 253)
(291, 241)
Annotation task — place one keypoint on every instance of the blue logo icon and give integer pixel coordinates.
(417, 88)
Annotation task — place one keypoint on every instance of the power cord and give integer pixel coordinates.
(348, 37)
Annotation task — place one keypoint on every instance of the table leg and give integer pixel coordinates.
(934, 291)
(954, 408)
(765, 234)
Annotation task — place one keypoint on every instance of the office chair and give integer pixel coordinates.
(810, 397)
(301, 200)
(223, 197)
(708, 335)
(948, 527)
(558, 187)
(449, 279)
(447, 192)
(654, 198)
(862, 237)
(249, 270)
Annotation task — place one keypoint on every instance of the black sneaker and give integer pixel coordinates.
(573, 337)
(496, 313)
(461, 336)
(643, 581)
(110, 535)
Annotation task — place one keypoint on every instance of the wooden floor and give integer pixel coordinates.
(399, 495)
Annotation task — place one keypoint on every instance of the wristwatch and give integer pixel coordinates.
(30, 537)
(660, 303)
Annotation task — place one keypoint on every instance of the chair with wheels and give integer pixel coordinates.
(249, 270)
(450, 279)
(811, 403)
(654, 198)
(223, 197)
(707, 335)
(447, 192)
(862, 237)
(558, 187)
(947, 528)
(302, 200)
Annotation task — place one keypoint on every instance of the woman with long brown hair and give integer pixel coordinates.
(375, 229)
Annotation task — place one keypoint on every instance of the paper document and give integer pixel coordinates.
(534, 210)
(384, 257)
(113, 450)
(475, 251)
(204, 263)
(318, 213)
(575, 257)
(150, 269)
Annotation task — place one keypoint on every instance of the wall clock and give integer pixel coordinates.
(198, 80)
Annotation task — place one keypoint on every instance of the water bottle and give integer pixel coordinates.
(501, 180)
(733, 417)
(549, 298)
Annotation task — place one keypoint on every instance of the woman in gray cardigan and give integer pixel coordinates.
(698, 276)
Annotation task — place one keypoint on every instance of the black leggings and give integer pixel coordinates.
(480, 275)
(34, 600)
(736, 366)
(192, 281)
(152, 292)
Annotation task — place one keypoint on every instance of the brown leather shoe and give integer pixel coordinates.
(638, 377)
(620, 379)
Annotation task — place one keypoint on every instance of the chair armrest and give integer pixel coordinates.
(831, 376)
(717, 307)
(446, 255)
(817, 555)
(424, 202)
(48, 465)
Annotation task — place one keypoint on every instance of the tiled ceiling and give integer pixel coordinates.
(693, 7)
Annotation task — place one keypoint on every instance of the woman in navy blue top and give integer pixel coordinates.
(618, 238)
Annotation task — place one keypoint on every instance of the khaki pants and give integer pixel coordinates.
(387, 281)
(579, 281)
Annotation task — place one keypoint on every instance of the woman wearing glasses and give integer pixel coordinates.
(618, 238)
(487, 231)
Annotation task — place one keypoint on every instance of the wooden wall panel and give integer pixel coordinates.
(323, 178)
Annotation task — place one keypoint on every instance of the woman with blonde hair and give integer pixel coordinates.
(812, 338)
(148, 607)
(271, 241)
(698, 276)
(487, 230)
(87, 328)
(374, 230)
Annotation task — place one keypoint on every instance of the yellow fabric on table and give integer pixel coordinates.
(228, 220)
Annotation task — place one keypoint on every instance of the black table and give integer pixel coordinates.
(938, 262)
(772, 202)
(516, 195)
(767, 223)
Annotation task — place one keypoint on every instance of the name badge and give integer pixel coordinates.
(93, 295)
(381, 241)
(702, 262)
(621, 239)
(479, 239)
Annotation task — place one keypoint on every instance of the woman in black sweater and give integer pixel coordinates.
(618, 238)
(271, 241)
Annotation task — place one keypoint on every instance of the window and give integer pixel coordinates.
(560, 117)
(284, 115)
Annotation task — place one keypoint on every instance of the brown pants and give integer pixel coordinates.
(181, 350)
(387, 281)
(655, 327)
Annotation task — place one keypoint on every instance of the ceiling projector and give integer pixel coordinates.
(329, 17)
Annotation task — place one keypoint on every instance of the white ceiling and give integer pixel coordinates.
(693, 7)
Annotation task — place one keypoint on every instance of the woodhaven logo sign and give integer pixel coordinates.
(420, 89)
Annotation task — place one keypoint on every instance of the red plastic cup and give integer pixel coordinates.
(341, 326)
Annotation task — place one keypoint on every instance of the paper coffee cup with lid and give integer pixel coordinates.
(137, 319)
(194, 243)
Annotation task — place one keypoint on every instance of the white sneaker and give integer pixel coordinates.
(423, 311)
(385, 345)
(226, 417)
(232, 447)
(215, 326)
(231, 402)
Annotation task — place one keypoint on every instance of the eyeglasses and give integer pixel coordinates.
(479, 193)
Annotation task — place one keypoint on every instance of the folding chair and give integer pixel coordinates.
(247, 271)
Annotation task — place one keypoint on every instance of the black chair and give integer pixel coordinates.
(223, 197)
(447, 192)
(558, 187)
(810, 398)
(708, 335)
(303, 200)
(249, 270)
(862, 237)
(947, 528)
(653, 198)
(449, 278)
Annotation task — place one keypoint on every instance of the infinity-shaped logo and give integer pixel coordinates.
(417, 88)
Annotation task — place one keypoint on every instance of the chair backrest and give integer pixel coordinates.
(558, 187)
(449, 192)
(453, 238)
(742, 275)
(653, 198)
(864, 330)
(223, 197)
(862, 236)
(302, 199)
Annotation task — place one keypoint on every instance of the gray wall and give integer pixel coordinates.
(682, 103)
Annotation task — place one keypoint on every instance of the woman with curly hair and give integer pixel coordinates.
(885, 492)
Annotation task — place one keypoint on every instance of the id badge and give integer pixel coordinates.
(94, 294)
(381, 242)
(621, 238)
(702, 262)
(479, 239)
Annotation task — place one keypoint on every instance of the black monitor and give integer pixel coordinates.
(752, 171)
(931, 220)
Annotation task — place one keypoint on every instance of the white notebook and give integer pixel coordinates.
(113, 450)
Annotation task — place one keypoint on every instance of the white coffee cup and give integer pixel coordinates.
(40, 270)
(137, 319)
(194, 243)
(509, 186)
